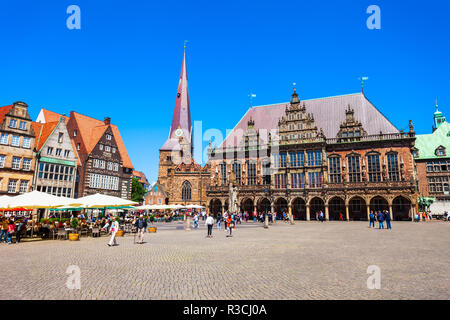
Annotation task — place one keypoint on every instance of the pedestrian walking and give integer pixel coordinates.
(371, 219)
(388, 220)
(380, 218)
(229, 227)
(4, 232)
(341, 218)
(195, 221)
(141, 225)
(11, 230)
(321, 217)
(209, 224)
(20, 229)
(113, 230)
(219, 220)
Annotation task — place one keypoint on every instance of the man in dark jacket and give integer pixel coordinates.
(372, 219)
(380, 218)
(387, 217)
(140, 225)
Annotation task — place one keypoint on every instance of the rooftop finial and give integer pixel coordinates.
(251, 95)
(185, 41)
(362, 79)
(295, 99)
(436, 104)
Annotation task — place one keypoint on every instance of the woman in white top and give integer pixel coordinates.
(114, 229)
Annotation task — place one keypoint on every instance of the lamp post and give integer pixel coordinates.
(188, 219)
(266, 216)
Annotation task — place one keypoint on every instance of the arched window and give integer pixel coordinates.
(186, 191)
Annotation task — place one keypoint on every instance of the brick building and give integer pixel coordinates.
(432, 157)
(17, 157)
(142, 179)
(156, 195)
(56, 159)
(103, 164)
(338, 155)
(183, 179)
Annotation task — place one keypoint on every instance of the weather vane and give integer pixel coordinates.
(362, 79)
(251, 95)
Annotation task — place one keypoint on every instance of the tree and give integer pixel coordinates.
(137, 191)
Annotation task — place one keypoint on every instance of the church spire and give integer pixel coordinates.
(438, 117)
(182, 112)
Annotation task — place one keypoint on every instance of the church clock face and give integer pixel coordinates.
(178, 132)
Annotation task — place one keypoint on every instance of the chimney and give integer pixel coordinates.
(107, 120)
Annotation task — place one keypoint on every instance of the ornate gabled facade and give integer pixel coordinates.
(17, 154)
(183, 179)
(351, 129)
(56, 159)
(296, 158)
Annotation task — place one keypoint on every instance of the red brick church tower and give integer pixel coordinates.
(184, 179)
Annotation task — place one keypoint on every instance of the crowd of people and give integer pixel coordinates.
(381, 217)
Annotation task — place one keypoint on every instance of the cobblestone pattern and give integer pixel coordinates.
(308, 260)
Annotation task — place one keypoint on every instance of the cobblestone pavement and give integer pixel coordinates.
(308, 260)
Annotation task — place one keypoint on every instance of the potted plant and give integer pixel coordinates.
(74, 225)
(152, 229)
(120, 232)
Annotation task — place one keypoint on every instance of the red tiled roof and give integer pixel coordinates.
(141, 176)
(51, 116)
(42, 131)
(4, 111)
(91, 130)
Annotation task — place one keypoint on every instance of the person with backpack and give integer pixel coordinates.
(371, 219)
(380, 218)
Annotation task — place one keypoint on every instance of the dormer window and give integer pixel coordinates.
(441, 151)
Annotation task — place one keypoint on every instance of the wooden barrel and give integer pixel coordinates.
(119, 233)
(152, 229)
(73, 236)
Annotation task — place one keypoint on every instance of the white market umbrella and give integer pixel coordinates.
(40, 200)
(102, 200)
(4, 201)
(194, 206)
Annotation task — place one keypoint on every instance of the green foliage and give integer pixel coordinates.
(74, 223)
(137, 191)
(152, 218)
(51, 220)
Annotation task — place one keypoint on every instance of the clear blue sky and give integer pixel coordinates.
(125, 60)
